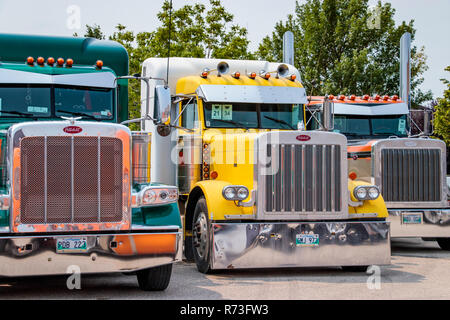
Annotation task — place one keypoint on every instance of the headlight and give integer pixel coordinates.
(238, 193)
(366, 192)
(156, 195)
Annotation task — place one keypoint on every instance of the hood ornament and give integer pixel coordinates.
(71, 119)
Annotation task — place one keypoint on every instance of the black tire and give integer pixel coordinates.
(155, 279)
(355, 268)
(188, 249)
(444, 243)
(200, 236)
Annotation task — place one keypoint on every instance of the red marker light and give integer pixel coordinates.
(236, 75)
(366, 97)
(341, 97)
(252, 75)
(395, 97)
(204, 74)
(267, 76)
(377, 97)
(51, 61)
(30, 60)
(352, 175)
(352, 97)
(331, 97)
(386, 98)
(214, 175)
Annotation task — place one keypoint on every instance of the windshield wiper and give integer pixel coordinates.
(280, 121)
(237, 124)
(82, 114)
(19, 113)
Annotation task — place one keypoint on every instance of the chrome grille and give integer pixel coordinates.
(66, 179)
(308, 178)
(411, 175)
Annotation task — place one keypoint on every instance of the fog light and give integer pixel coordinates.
(236, 193)
(242, 193)
(149, 197)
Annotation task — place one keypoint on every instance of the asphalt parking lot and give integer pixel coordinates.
(419, 270)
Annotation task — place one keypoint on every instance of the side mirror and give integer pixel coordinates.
(327, 115)
(427, 128)
(163, 104)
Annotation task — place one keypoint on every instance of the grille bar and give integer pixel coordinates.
(71, 180)
(411, 175)
(307, 179)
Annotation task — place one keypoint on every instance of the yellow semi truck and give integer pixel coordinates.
(256, 190)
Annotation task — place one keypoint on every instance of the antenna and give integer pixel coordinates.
(168, 53)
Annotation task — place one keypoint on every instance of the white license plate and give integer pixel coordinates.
(412, 218)
(73, 244)
(307, 240)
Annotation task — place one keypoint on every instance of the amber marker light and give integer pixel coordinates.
(60, 62)
(99, 64)
(352, 175)
(386, 98)
(51, 61)
(205, 74)
(40, 61)
(236, 75)
(252, 75)
(352, 97)
(331, 97)
(69, 62)
(293, 77)
(267, 76)
(341, 97)
(30, 60)
(365, 97)
(377, 97)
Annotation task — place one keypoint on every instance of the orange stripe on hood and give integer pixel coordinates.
(362, 148)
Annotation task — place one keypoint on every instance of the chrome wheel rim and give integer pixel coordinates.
(200, 235)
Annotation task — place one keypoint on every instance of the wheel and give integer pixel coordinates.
(201, 236)
(155, 279)
(355, 268)
(444, 243)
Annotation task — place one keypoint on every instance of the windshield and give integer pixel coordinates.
(92, 102)
(252, 115)
(369, 127)
(28, 100)
(56, 101)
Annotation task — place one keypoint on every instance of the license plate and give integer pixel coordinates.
(307, 240)
(412, 218)
(75, 244)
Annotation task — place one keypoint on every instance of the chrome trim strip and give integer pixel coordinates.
(45, 179)
(99, 178)
(72, 178)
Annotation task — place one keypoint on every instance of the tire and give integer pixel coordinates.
(444, 243)
(355, 268)
(201, 237)
(155, 279)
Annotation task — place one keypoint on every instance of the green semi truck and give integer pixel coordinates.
(75, 187)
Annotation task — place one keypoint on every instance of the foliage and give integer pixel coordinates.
(342, 47)
(194, 32)
(441, 120)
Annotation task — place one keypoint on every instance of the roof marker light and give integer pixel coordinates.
(69, 62)
(352, 97)
(395, 98)
(252, 75)
(236, 75)
(366, 97)
(293, 77)
(60, 62)
(30, 60)
(386, 98)
(331, 97)
(51, 61)
(40, 61)
(99, 64)
(377, 97)
(341, 97)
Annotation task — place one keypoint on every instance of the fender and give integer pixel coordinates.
(368, 206)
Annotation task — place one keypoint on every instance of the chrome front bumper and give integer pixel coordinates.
(124, 252)
(432, 223)
(267, 245)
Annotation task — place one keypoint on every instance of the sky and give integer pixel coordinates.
(58, 17)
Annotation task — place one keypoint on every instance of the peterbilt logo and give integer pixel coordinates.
(303, 137)
(72, 129)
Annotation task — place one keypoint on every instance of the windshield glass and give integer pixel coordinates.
(97, 103)
(252, 115)
(368, 127)
(24, 101)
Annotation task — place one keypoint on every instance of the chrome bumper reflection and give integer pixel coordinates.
(420, 223)
(263, 245)
(125, 252)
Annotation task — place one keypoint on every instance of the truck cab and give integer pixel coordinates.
(72, 187)
(410, 170)
(256, 190)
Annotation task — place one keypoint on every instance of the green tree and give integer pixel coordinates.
(94, 31)
(343, 47)
(441, 120)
